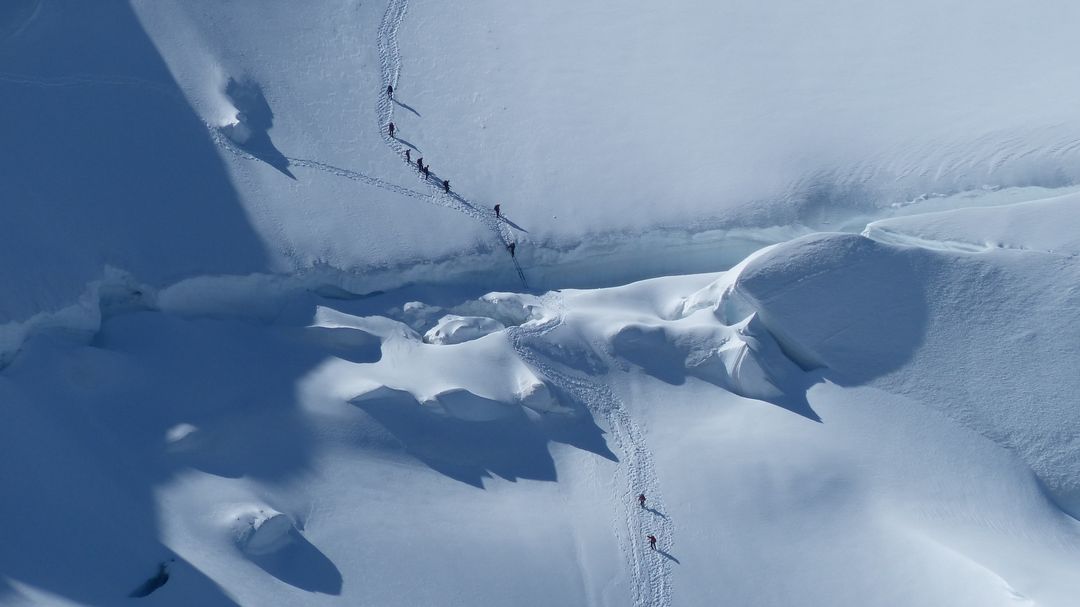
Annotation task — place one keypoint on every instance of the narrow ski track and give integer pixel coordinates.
(650, 572)
(216, 136)
(390, 60)
(387, 41)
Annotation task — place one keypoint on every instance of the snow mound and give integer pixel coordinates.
(378, 326)
(743, 359)
(261, 530)
(182, 437)
(452, 329)
(844, 302)
(510, 309)
(471, 319)
(238, 131)
(479, 379)
(931, 324)
(717, 296)
(420, 315)
(748, 362)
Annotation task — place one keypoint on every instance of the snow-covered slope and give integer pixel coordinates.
(835, 421)
(248, 356)
(1050, 225)
(697, 112)
(715, 128)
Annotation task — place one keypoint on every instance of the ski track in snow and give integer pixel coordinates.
(390, 60)
(650, 572)
(219, 138)
(387, 42)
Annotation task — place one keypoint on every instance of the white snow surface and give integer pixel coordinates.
(824, 423)
(249, 357)
(1051, 225)
(622, 141)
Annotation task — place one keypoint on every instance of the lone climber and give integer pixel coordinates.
(641, 500)
(652, 541)
(511, 247)
(446, 185)
(498, 210)
(389, 90)
(391, 129)
(408, 153)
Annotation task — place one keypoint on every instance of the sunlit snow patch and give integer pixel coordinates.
(452, 329)
(181, 437)
(469, 371)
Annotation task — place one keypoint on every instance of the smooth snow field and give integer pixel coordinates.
(803, 274)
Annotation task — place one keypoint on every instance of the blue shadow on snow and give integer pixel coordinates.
(113, 168)
(512, 447)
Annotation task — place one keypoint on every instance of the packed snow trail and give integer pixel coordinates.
(650, 571)
(390, 59)
(219, 138)
(435, 197)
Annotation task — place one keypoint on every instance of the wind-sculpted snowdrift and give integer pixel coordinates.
(987, 338)
(743, 357)
(1048, 225)
(482, 382)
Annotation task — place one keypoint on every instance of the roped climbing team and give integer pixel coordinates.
(425, 170)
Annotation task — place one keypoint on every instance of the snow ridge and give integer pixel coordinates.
(650, 571)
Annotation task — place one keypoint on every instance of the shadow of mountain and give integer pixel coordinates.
(95, 553)
(253, 432)
(256, 118)
(107, 450)
(15, 15)
(112, 166)
(109, 166)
